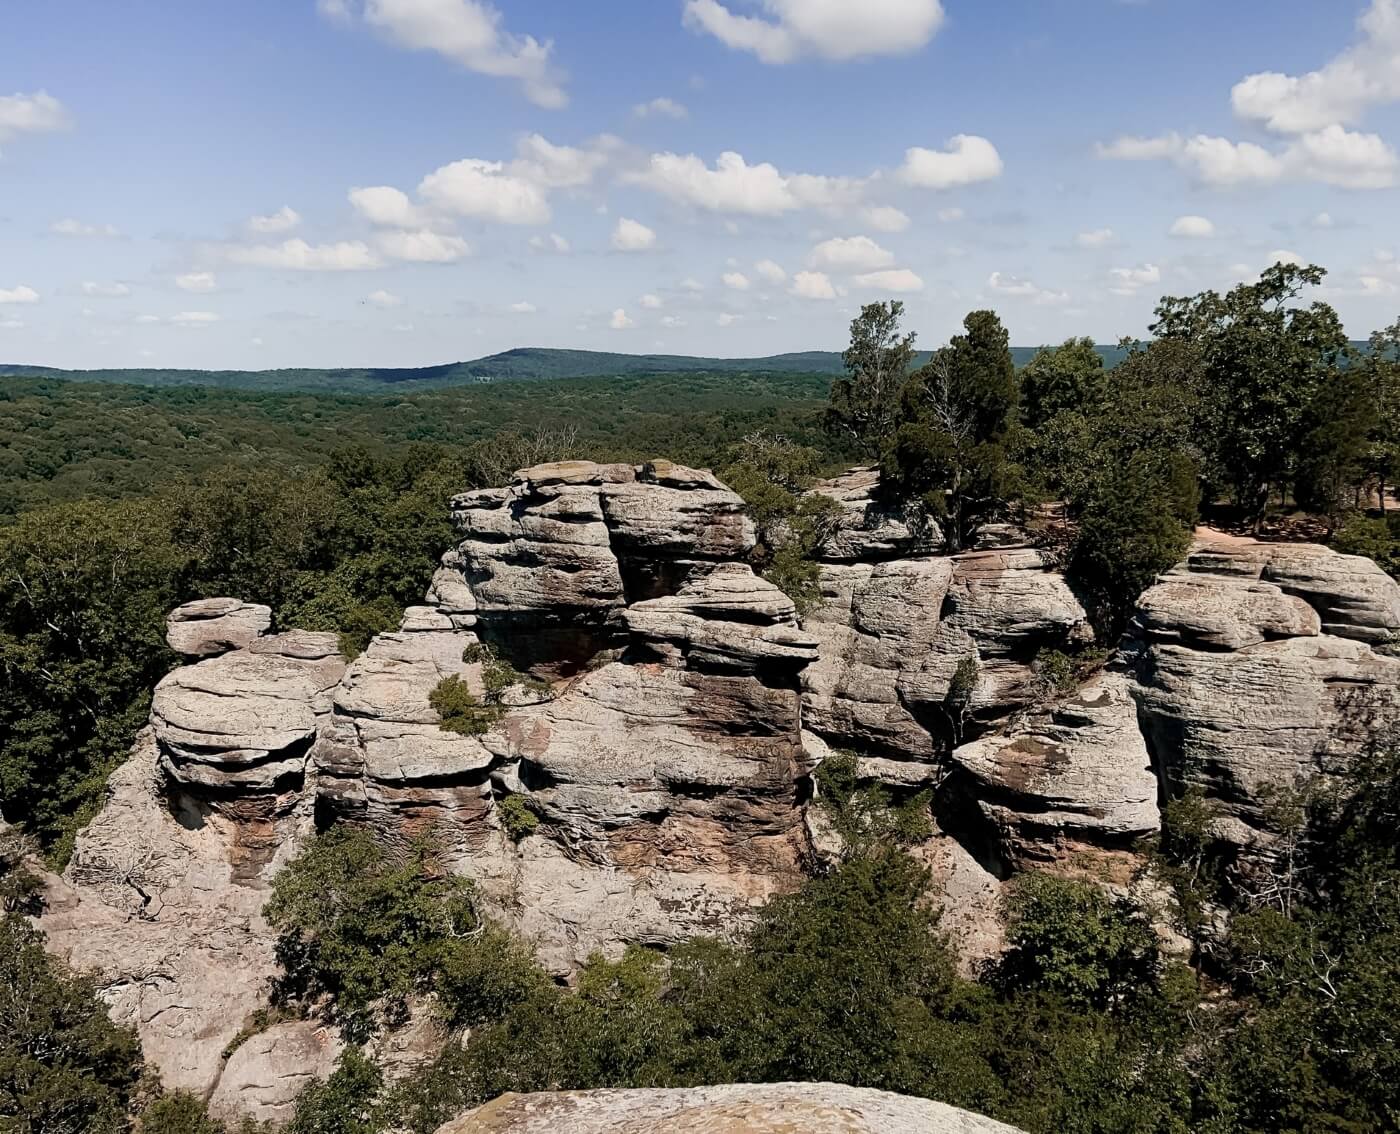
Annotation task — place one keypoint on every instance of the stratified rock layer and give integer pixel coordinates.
(771, 1108)
(212, 626)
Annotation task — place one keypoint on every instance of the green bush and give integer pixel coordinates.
(1377, 539)
(516, 817)
(867, 816)
(460, 710)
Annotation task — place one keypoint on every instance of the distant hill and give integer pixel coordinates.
(521, 364)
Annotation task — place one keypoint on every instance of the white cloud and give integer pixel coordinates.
(620, 320)
(1127, 281)
(386, 206)
(831, 29)
(382, 298)
(69, 226)
(551, 243)
(471, 33)
(283, 220)
(148, 319)
(771, 271)
(690, 283)
(736, 281)
(542, 163)
(651, 302)
(1094, 238)
(734, 186)
(1284, 256)
(727, 319)
(886, 218)
(296, 254)
(38, 113)
(850, 254)
(948, 216)
(896, 279)
(1322, 220)
(402, 328)
(967, 160)
(423, 247)
(1376, 285)
(105, 290)
(1192, 227)
(812, 285)
(1366, 74)
(660, 108)
(1017, 288)
(19, 294)
(11, 324)
(632, 236)
(194, 318)
(197, 281)
(1333, 156)
(524, 307)
(672, 321)
(485, 191)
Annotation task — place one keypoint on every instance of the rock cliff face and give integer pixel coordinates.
(666, 745)
(775, 1108)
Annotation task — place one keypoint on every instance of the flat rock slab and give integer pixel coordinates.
(779, 1108)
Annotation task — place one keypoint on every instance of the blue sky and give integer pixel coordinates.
(401, 182)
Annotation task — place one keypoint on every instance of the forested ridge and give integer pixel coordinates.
(1249, 996)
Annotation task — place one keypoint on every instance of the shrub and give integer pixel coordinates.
(460, 710)
(516, 817)
(867, 816)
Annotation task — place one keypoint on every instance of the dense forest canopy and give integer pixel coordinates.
(1269, 1007)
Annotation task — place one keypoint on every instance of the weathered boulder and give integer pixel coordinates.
(739, 1108)
(1076, 770)
(864, 531)
(1254, 669)
(235, 730)
(266, 1072)
(212, 626)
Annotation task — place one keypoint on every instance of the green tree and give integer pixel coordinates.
(65, 1068)
(1264, 364)
(865, 404)
(1061, 379)
(949, 461)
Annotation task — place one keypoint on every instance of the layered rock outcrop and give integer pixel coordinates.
(772, 1108)
(1255, 667)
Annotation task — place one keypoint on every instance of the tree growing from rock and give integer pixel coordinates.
(865, 405)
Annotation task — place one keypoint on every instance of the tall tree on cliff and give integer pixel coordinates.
(1266, 366)
(949, 463)
(865, 404)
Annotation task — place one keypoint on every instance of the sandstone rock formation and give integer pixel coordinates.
(1255, 666)
(212, 626)
(776, 1108)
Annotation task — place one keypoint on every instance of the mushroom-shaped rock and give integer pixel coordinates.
(739, 1108)
(206, 627)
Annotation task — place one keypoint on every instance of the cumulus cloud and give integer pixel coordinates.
(71, 226)
(830, 29)
(11, 324)
(771, 271)
(423, 247)
(896, 279)
(620, 320)
(194, 318)
(1322, 220)
(660, 108)
(283, 220)
(197, 281)
(21, 293)
(850, 254)
(1284, 256)
(382, 298)
(1094, 238)
(484, 190)
(812, 285)
(550, 166)
(651, 302)
(38, 113)
(1192, 227)
(632, 236)
(551, 243)
(736, 281)
(727, 319)
(1332, 156)
(886, 218)
(471, 33)
(386, 206)
(1017, 288)
(97, 290)
(524, 307)
(966, 160)
(297, 255)
(734, 186)
(1127, 281)
(948, 216)
(1366, 74)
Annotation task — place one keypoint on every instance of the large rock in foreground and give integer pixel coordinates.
(777, 1108)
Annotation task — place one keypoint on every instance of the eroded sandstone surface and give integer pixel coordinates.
(665, 743)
